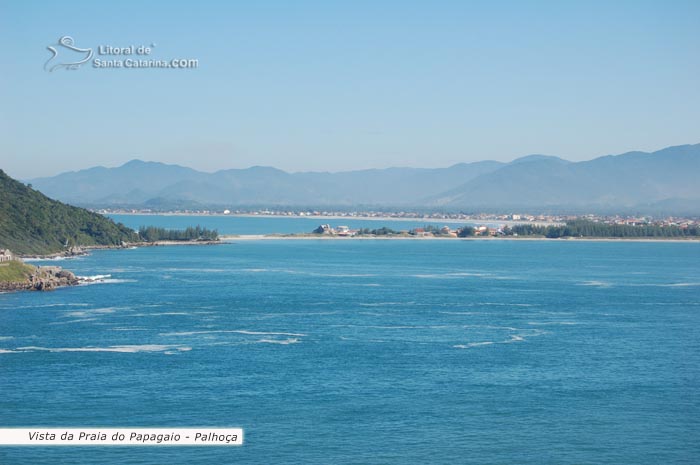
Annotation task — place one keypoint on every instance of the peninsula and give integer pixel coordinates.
(33, 225)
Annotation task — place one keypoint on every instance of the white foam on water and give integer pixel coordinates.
(680, 285)
(278, 341)
(344, 275)
(264, 333)
(199, 270)
(390, 327)
(119, 348)
(663, 304)
(467, 274)
(302, 314)
(53, 305)
(460, 274)
(473, 344)
(236, 331)
(502, 304)
(463, 313)
(5, 338)
(79, 320)
(475, 304)
(106, 281)
(394, 326)
(92, 312)
(595, 283)
(514, 338)
(7, 351)
(97, 277)
(506, 328)
(309, 273)
(76, 314)
(551, 323)
(431, 276)
(126, 328)
(168, 313)
(385, 304)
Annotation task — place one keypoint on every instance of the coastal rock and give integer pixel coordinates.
(45, 278)
(75, 250)
(42, 278)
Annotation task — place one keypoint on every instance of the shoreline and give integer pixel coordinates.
(47, 278)
(230, 238)
(268, 237)
(83, 250)
(52, 277)
(39, 278)
(355, 218)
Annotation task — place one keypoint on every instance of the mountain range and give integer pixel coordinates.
(665, 181)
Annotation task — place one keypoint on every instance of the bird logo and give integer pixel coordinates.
(71, 56)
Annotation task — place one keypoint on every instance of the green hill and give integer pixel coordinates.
(15, 271)
(31, 223)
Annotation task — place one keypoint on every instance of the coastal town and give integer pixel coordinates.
(490, 220)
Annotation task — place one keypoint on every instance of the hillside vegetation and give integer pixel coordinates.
(15, 271)
(31, 223)
(153, 234)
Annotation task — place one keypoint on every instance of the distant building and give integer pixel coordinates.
(324, 229)
(345, 231)
(6, 255)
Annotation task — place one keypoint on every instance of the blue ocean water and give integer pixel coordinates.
(364, 352)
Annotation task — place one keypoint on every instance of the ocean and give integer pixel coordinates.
(367, 352)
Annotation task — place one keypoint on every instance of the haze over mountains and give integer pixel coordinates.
(666, 181)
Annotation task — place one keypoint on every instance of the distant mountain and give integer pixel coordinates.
(659, 182)
(133, 182)
(545, 158)
(31, 223)
(139, 183)
(666, 179)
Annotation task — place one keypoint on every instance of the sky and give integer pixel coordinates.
(332, 86)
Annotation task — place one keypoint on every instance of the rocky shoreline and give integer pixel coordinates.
(78, 251)
(48, 278)
(43, 278)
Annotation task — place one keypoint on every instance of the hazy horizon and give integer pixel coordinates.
(335, 87)
(210, 171)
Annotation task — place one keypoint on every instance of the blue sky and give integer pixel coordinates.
(330, 86)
